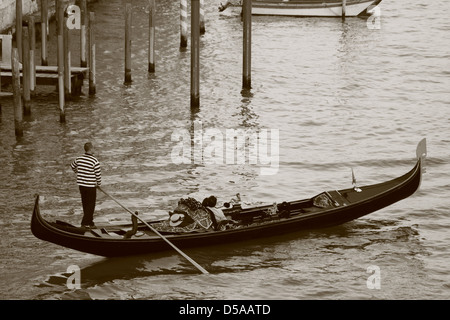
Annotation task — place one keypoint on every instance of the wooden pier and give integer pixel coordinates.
(48, 76)
(24, 75)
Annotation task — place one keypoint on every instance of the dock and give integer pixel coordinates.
(18, 68)
(48, 76)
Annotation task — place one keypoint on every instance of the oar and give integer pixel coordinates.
(199, 267)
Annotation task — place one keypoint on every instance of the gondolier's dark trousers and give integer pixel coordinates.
(88, 199)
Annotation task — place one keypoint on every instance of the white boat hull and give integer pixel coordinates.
(323, 8)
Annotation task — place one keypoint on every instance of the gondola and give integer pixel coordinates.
(329, 208)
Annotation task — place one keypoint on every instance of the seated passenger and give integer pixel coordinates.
(217, 214)
(189, 215)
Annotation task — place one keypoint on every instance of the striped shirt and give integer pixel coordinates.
(88, 170)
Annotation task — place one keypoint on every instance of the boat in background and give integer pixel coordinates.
(329, 208)
(307, 8)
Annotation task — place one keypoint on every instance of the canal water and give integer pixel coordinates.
(341, 96)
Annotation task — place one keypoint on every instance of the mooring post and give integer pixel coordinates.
(19, 28)
(44, 32)
(60, 53)
(202, 17)
(247, 52)
(183, 24)
(26, 74)
(92, 80)
(57, 3)
(18, 111)
(151, 35)
(67, 61)
(1, 93)
(195, 54)
(344, 4)
(32, 29)
(83, 9)
(127, 43)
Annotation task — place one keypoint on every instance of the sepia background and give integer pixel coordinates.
(342, 95)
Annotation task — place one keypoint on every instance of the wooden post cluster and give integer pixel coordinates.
(24, 48)
(22, 98)
(128, 39)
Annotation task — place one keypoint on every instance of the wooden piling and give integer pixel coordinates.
(195, 54)
(183, 23)
(202, 17)
(84, 17)
(0, 94)
(26, 71)
(44, 32)
(59, 16)
(127, 43)
(60, 53)
(57, 2)
(18, 111)
(151, 35)
(32, 30)
(247, 45)
(92, 80)
(344, 5)
(67, 61)
(19, 28)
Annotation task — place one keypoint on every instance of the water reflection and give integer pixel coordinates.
(340, 252)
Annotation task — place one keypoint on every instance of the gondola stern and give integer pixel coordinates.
(36, 213)
(37, 222)
(36, 216)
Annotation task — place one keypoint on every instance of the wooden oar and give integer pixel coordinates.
(199, 267)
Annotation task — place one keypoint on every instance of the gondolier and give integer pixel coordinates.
(88, 171)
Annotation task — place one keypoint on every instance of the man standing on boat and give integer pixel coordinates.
(89, 177)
